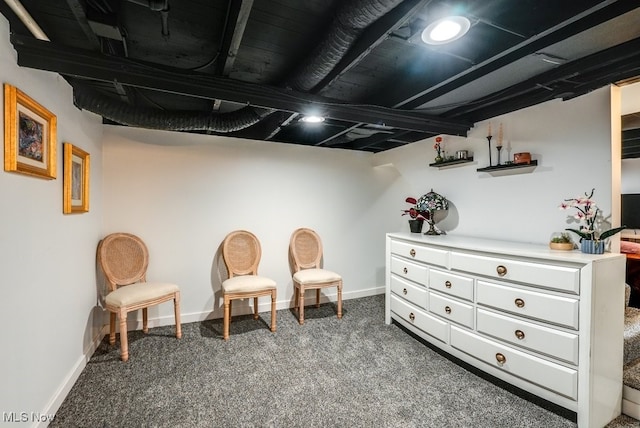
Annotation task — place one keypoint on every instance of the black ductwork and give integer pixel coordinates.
(350, 20)
(175, 120)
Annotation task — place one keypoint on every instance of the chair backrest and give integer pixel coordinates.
(241, 253)
(305, 249)
(123, 258)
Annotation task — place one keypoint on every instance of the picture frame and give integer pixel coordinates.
(76, 170)
(29, 135)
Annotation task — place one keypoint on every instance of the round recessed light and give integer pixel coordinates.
(445, 30)
(312, 119)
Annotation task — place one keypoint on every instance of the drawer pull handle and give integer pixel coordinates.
(404, 291)
(447, 309)
(405, 270)
(502, 271)
(447, 284)
(501, 359)
(412, 252)
(412, 316)
(520, 334)
(519, 303)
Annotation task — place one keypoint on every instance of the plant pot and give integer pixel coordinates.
(589, 246)
(416, 226)
(566, 246)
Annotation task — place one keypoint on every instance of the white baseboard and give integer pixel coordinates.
(71, 378)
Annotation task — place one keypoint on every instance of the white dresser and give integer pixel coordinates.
(549, 322)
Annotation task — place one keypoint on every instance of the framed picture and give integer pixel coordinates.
(29, 135)
(75, 180)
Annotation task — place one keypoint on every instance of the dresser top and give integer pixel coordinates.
(485, 245)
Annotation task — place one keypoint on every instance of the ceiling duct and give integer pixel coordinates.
(350, 21)
(174, 120)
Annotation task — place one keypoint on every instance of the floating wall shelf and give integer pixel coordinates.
(451, 162)
(499, 170)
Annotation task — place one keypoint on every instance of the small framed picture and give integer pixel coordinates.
(75, 180)
(29, 135)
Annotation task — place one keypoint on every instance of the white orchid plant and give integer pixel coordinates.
(587, 211)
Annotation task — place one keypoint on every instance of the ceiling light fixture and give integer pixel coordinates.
(312, 119)
(445, 30)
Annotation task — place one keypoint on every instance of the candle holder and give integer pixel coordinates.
(489, 141)
(499, 148)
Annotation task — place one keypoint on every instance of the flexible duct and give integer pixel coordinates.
(175, 120)
(350, 21)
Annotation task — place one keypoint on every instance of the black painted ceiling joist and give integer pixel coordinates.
(90, 65)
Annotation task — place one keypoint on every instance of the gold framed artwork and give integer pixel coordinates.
(75, 180)
(29, 135)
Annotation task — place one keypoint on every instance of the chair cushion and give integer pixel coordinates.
(247, 283)
(315, 276)
(140, 292)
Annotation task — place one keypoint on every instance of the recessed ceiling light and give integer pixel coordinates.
(312, 119)
(445, 30)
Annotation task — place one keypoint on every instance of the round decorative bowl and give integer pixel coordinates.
(566, 246)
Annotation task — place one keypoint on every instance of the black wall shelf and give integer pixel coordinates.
(520, 168)
(451, 162)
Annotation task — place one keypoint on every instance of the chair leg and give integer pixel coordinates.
(340, 301)
(273, 311)
(112, 328)
(317, 297)
(176, 309)
(301, 306)
(296, 294)
(227, 315)
(145, 321)
(124, 343)
(255, 308)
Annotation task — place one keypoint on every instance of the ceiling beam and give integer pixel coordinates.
(603, 12)
(91, 65)
(234, 27)
(566, 81)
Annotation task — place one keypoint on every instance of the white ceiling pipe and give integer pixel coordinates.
(26, 19)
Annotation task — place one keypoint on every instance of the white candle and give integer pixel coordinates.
(499, 143)
(489, 130)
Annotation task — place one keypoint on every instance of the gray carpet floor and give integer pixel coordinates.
(355, 372)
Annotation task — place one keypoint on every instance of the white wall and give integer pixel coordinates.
(46, 258)
(182, 193)
(571, 141)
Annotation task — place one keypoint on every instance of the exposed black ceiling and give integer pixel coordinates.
(253, 68)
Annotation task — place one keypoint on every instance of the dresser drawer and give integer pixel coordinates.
(546, 374)
(555, 343)
(532, 304)
(433, 256)
(409, 270)
(425, 322)
(549, 276)
(455, 285)
(450, 309)
(411, 292)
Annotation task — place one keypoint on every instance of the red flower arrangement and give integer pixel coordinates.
(414, 212)
(437, 147)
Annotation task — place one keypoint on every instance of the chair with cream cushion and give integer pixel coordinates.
(124, 258)
(241, 253)
(305, 253)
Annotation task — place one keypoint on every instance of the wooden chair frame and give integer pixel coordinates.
(305, 252)
(242, 259)
(110, 258)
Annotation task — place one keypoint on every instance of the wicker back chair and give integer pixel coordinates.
(241, 253)
(305, 254)
(124, 258)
